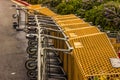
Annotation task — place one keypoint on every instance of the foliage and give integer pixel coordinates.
(51, 3)
(65, 8)
(54, 3)
(106, 15)
(100, 12)
(79, 6)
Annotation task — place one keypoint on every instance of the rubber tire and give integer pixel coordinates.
(28, 50)
(14, 16)
(15, 25)
(32, 73)
(31, 64)
(32, 43)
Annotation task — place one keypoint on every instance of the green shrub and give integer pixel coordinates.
(54, 3)
(101, 12)
(64, 8)
(79, 7)
(106, 15)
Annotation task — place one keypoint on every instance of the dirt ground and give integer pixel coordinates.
(12, 46)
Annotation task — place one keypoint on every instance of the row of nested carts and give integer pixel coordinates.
(46, 40)
(43, 49)
(51, 57)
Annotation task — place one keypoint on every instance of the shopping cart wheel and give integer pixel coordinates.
(31, 50)
(32, 42)
(31, 64)
(15, 25)
(31, 73)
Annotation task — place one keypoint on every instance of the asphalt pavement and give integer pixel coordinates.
(12, 46)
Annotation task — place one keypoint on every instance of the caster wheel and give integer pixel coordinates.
(14, 16)
(32, 74)
(31, 64)
(15, 25)
(31, 50)
(31, 36)
(32, 42)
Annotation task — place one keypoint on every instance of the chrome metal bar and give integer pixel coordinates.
(39, 53)
(46, 24)
(43, 16)
(46, 21)
(50, 29)
(64, 35)
(56, 49)
(22, 8)
(68, 45)
(53, 37)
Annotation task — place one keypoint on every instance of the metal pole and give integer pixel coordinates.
(39, 49)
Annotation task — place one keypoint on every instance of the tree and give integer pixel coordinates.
(107, 15)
